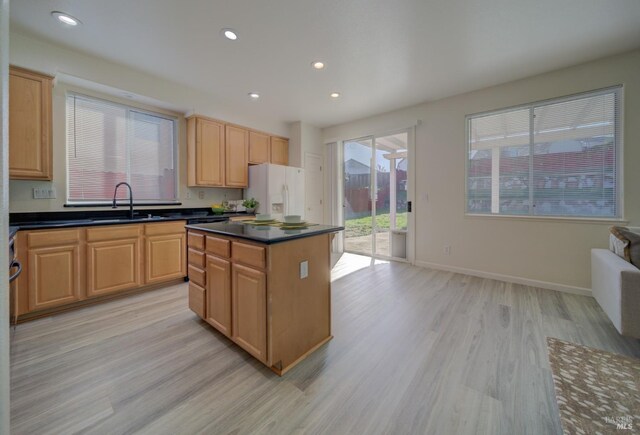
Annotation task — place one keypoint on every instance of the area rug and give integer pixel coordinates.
(597, 392)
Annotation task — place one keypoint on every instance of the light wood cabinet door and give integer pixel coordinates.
(218, 294)
(196, 300)
(113, 266)
(30, 140)
(259, 147)
(165, 258)
(237, 157)
(279, 151)
(54, 276)
(249, 310)
(205, 152)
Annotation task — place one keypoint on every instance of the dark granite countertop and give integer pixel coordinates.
(263, 234)
(39, 225)
(66, 219)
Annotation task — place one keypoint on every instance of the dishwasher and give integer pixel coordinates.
(15, 269)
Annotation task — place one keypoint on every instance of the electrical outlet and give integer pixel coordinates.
(304, 269)
(446, 250)
(188, 194)
(44, 193)
(201, 194)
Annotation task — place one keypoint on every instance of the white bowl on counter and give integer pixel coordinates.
(293, 219)
(263, 217)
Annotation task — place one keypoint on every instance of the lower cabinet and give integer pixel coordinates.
(196, 299)
(249, 302)
(165, 257)
(113, 259)
(253, 293)
(54, 276)
(218, 294)
(235, 290)
(63, 266)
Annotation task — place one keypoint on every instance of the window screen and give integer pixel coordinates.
(555, 158)
(108, 143)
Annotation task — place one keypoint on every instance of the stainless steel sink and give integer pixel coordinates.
(109, 221)
(125, 220)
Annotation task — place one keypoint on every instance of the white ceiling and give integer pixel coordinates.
(380, 55)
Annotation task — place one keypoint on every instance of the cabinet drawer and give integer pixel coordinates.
(250, 255)
(195, 240)
(161, 228)
(218, 246)
(196, 299)
(197, 258)
(113, 232)
(197, 275)
(39, 239)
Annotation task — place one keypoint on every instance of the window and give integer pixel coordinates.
(108, 143)
(553, 158)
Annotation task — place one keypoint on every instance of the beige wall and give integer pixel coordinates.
(21, 192)
(77, 67)
(545, 252)
(304, 138)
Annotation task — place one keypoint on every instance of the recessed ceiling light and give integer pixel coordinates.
(66, 18)
(334, 94)
(317, 64)
(230, 34)
(254, 95)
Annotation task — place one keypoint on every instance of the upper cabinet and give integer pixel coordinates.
(279, 151)
(30, 140)
(237, 157)
(259, 148)
(219, 154)
(205, 152)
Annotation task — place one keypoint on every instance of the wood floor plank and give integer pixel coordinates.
(414, 351)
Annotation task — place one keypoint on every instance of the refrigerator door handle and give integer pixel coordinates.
(286, 207)
(284, 199)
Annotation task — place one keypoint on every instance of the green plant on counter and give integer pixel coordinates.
(250, 203)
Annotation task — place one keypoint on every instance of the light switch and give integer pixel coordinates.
(304, 269)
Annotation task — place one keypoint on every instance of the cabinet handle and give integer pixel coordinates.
(15, 263)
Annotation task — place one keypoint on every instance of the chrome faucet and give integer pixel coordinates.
(115, 193)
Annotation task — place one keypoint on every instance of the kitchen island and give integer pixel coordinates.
(266, 288)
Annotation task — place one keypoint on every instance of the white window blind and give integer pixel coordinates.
(554, 158)
(108, 143)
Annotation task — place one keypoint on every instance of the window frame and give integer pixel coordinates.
(129, 108)
(618, 90)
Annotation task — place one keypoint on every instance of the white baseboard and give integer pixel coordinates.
(508, 278)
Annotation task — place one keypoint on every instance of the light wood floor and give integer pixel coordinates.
(415, 351)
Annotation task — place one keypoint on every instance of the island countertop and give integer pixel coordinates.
(263, 234)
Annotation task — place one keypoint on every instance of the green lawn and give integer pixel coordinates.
(362, 226)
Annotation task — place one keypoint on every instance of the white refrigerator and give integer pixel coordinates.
(278, 189)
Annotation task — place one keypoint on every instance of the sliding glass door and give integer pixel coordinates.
(358, 207)
(375, 195)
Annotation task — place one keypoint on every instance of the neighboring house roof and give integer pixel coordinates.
(402, 165)
(354, 167)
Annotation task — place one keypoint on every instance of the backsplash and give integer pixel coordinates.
(21, 197)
